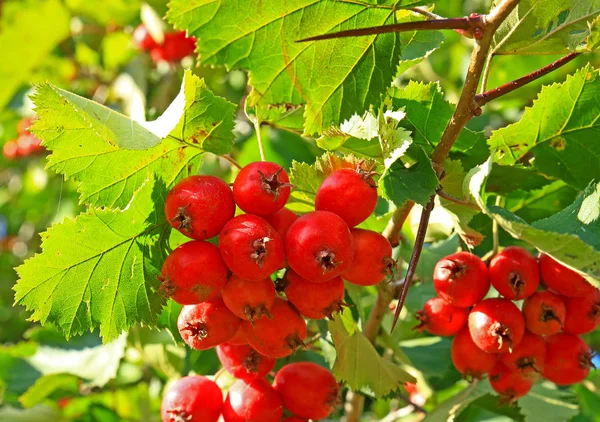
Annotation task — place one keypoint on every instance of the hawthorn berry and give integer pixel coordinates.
(544, 313)
(563, 280)
(252, 401)
(24, 125)
(440, 318)
(243, 362)
(199, 206)
(509, 384)
(349, 193)
(373, 260)
(28, 145)
(294, 419)
(143, 39)
(250, 247)
(461, 279)
(207, 324)
(568, 359)
(515, 273)
(307, 390)
(528, 356)
(496, 325)
(194, 398)
(261, 188)
(280, 335)
(176, 46)
(315, 300)
(193, 273)
(583, 313)
(281, 220)
(10, 150)
(319, 246)
(468, 358)
(247, 299)
(241, 335)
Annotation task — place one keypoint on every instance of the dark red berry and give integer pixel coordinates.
(528, 356)
(568, 359)
(244, 362)
(510, 385)
(307, 390)
(207, 325)
(351, 194)
(470, 360)
(294, 419)
(241, 335)
(440, 318)
(319, 246)
(461, 279)
(315, 300)
(176, 46)
(281, 220)
(194, 398)
(514, 272)
(199, 206)
(583, 313)
(193, 273)
(252, 401)
(562, 279)
(373, 260)
(247, 299)
(143, 39)
(261, 188)
(496, 325)
(544, 313)
(250, 247)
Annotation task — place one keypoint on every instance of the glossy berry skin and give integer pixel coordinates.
(510, 385)
(243, 362)
(496, 325)
(515, 273)
(440, 318)
(252, 401)
(250, 247)
(315, 300)
(247, 299)
(563, 280)
(241, 335)
(199, 206)
(470, 360)
(349, 193)
(583, 313)
(319, 246)
(568, 359)
(176, 46)
(461, 279)
(207, 325)
(373, 260)
(143, 39)
(528, 357)
(281, 220)
(307, 390)
(280, 335)
(544, 313)
(194, 398)
(193, 273)
(261, 188)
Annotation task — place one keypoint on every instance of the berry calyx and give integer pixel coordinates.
(528, 357)
(496, 325)
(469, 359)
(261, 188)
(243, 362)
(194, 398)
(583, 313)
(247, 299)
(207, 325)
(373, 260)
(544, 313)
(461, 279)
(440, 318)
(568, 359)
(563, 280)
(510, 385)
(315, 300)
(253, 400)
(514, 272)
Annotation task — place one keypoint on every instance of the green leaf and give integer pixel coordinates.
(572, 236)
(593, 40)
(359, 364)
(41, 27)
(549, 405)
(99, 269)
(546, 27)
(46, 385)
(449, 409)
(558, 135)
(35, 414)
(168, 319)
(120, 12)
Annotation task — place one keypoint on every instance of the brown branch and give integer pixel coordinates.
(453, 198)
(231, 160)
(492, 94)
(392, 231)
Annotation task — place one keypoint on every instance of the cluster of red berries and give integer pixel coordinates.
(175, 46)
(233, 298)
(25, 145)
(515, 347)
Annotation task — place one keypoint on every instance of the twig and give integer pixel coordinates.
(409, 402)
(426, 13)
(231, 160)
(393, 228)
(495, 231)
(452, 198)
(486, 72)
(261, 147)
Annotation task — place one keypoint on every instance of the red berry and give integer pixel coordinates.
(461, 279)
(250, 247)
(207, 325)
(496, 325)
(544, 313)
(194, 398)
(10, 150)
(319, 246)
(175, 47)
(199, 206)
(244, 362)
(440, 318)
(514, 272)
(510, 385)
(562, 279)
(241, 335)
(261, 188)
(249, 299)
(351, 194)
(583, 313)
(280, 335)
(281, 220)
(193, 273)
(252, 401)
(470, 360)
(568, 359)
(373, 260)
(528, 357)
(294, 419)
(24, 125)
(307, 390)
(315, 300)
(143, 39)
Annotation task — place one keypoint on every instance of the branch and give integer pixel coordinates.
(459, 201)
(486, 97)
(392, 231)
(231, 160)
